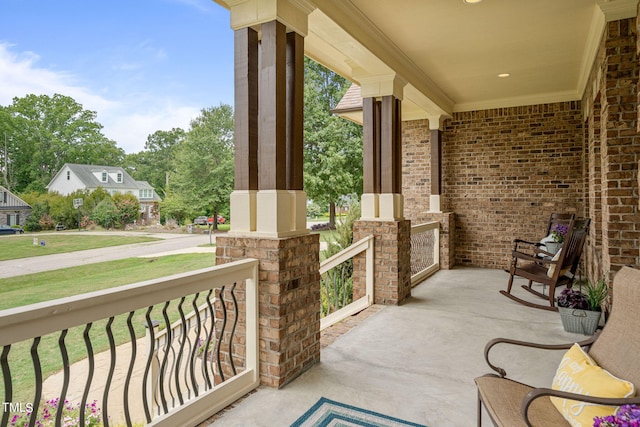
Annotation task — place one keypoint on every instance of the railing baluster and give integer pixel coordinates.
(207, 342)
(147, 369)
(187, 363)
(167, 351)
(85, 394)
(233, 329)
(6, 377)
(67, 377)
(112, 368)
(127, 382)
(194, 350)
(183, 338)
(224, 326)
(37, 369)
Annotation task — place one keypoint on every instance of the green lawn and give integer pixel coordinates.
(23, 247)
(31, 288)
(21, 290)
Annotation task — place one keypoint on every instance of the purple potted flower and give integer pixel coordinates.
(559, 232)
(573, 298)
(626, 416)
(580, 312)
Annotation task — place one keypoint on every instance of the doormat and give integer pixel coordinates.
(331, 413)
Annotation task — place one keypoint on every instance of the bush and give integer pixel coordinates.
(322, 227)
(336, 286)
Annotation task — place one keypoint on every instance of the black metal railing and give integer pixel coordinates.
(121, 361)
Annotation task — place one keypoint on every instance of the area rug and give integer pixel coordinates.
(335, 414)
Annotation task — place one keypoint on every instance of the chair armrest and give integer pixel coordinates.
(564, 346)
(539, 251)
(535, 258)
(527, 242)
(541, 392)
(517, 242)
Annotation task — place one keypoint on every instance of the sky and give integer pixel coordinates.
(141, 65)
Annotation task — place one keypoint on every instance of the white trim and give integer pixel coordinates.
(362, 245)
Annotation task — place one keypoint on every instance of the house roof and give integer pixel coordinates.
(13, 202)
(86, 174)
(350, 105)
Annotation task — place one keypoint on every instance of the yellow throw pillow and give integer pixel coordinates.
(578, 373)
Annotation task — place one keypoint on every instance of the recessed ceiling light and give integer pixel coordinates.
(471, 1)
(503, 75)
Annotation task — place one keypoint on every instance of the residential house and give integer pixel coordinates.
(113, 179)
(13, 210)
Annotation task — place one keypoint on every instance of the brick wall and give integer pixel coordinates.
(416, 167)
(504, 172)
(289, 301)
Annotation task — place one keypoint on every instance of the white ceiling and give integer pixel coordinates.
(450, 53)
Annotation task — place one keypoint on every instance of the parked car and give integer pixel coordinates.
(7, 229)
(201, 220)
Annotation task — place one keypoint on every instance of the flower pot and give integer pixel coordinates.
(553, 247)
(579, 321)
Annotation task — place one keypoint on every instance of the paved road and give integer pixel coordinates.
(170, 243)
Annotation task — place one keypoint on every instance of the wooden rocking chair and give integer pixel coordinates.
(555, 218)
(549, 269)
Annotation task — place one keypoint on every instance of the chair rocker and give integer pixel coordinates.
(546, 268)
(615, 349)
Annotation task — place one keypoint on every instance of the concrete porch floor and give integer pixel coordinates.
(417, 361)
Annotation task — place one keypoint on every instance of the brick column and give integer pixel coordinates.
(268, 205)
(620, 148)
(392, 260)
(382, 200)
(289, 301)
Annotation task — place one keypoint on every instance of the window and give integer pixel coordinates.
(119, 177)
(145, 194)
(68, 175)
(105, 176)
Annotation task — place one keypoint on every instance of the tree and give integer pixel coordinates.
(332, 146)
(42, 133)
(155, 163)
(204, 164)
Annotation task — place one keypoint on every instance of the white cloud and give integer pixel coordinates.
(127, 119)
(131, 129)
(20, 76)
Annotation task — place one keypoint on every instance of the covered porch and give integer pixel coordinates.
(417, 361)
